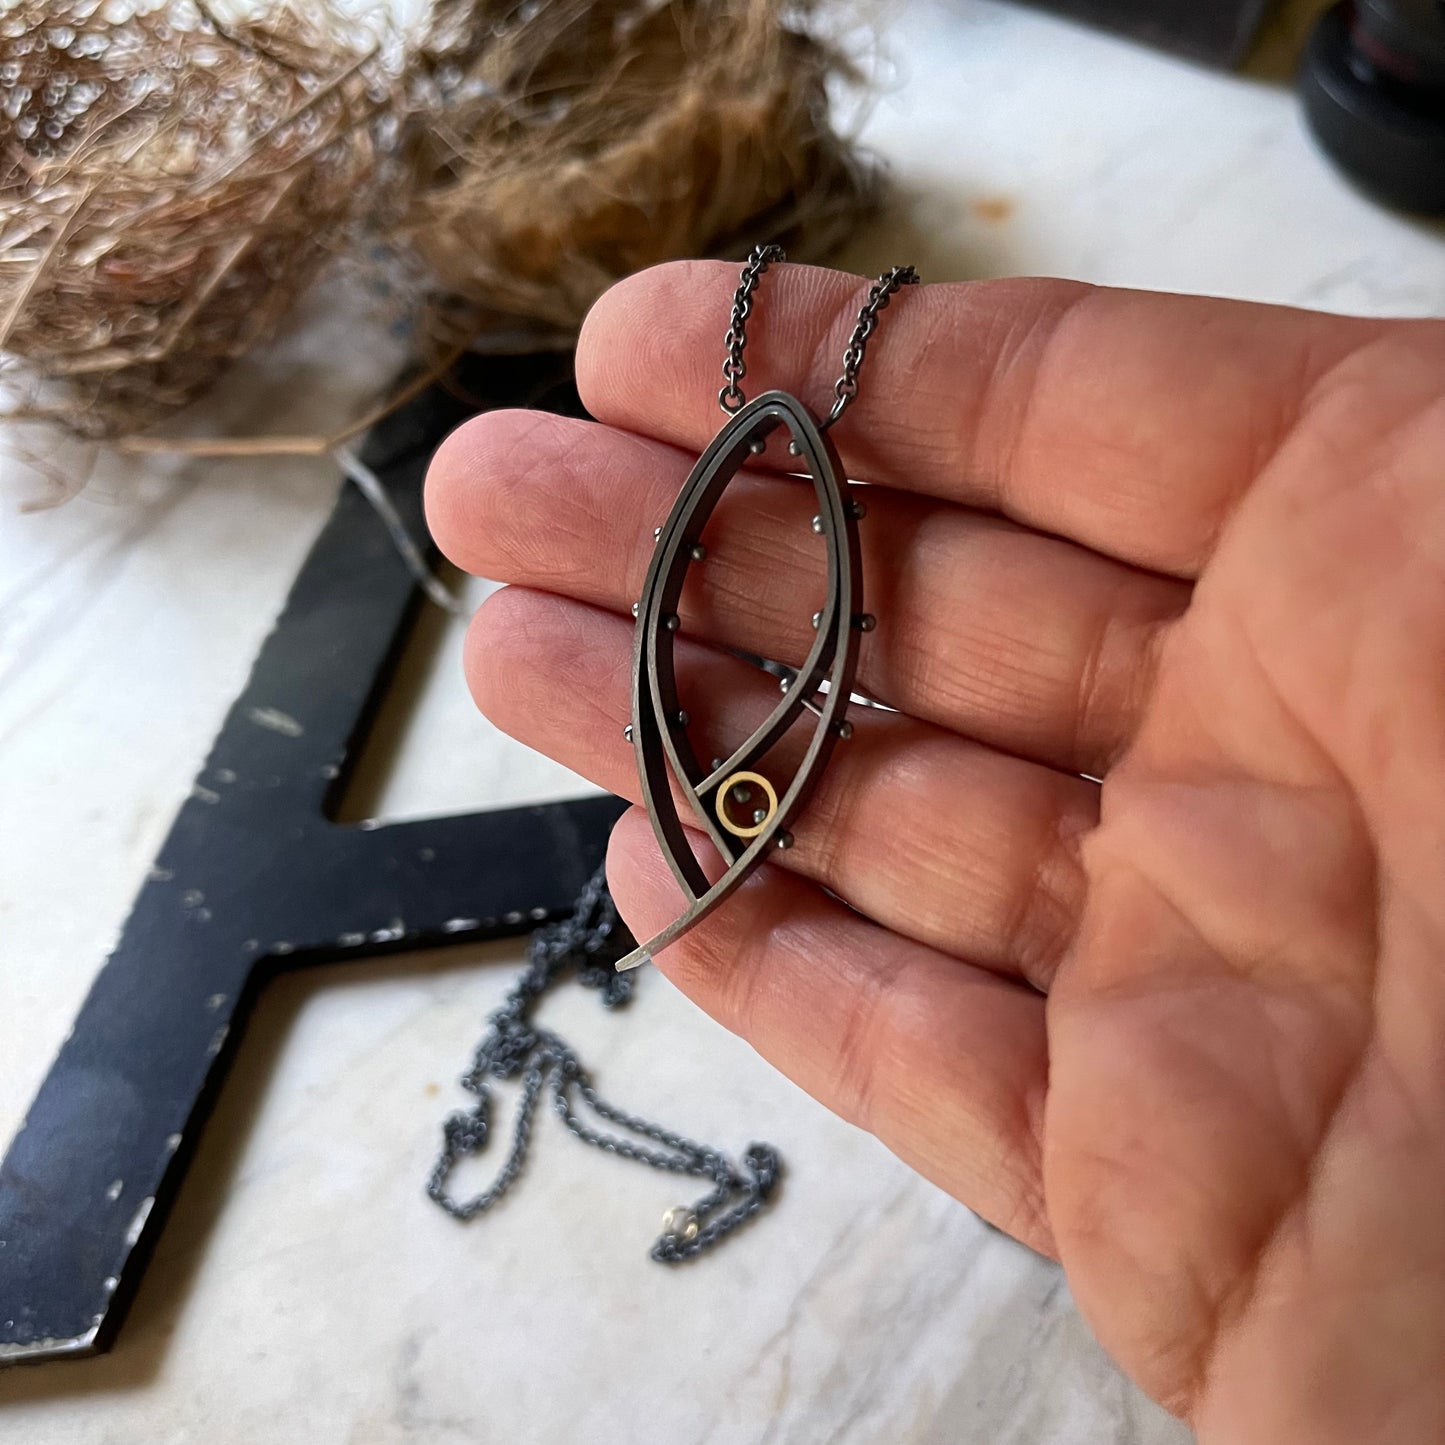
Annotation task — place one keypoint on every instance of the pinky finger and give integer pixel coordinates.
(946, 1063)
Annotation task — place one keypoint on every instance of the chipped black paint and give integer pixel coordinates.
(255, 877)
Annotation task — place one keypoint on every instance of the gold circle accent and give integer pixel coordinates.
(728, 784)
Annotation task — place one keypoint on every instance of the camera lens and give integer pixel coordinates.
(1373, 86)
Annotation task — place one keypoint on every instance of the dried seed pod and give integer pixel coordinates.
(171, 184)
(574, 143)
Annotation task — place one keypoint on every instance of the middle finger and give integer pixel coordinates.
(1031, 644)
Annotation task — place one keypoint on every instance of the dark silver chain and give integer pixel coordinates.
(593, 939)
(879, 294)
(589, 943)
(731, 397)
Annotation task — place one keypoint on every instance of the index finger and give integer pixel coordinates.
(1128, 421)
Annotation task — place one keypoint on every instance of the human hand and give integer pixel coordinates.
(1184, 1030)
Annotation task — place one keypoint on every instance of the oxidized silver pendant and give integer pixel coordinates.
(744, 812)
(740, 809)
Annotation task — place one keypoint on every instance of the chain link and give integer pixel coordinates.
(731, 397)
(879, 295)
(589, 943)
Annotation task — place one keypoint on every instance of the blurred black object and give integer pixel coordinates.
(1373, 85)
(1215, 31)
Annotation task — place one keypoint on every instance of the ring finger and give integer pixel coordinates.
(992, 877)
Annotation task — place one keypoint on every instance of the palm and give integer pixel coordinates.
(1183, 1030)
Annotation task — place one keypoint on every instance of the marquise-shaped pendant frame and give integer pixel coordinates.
(659, 726)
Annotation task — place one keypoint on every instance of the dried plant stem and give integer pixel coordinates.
(37, 273)
(293, 446)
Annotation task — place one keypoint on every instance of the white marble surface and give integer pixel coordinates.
(304, 1290)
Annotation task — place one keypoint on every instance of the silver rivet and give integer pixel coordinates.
(697, 552)
(817, 525)
(682, 718)
(785, 840)
(865, 622)
(627, 732)
(845, 730)
(741, 793)
(657, 534)
(672, 622)
(857, 511)
(717, 765)
(794, 450)
(760, 815)
(637, 609)
(817, 621)
(784, 683)
(758, 447)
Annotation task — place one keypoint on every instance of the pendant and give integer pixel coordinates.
(737, 805)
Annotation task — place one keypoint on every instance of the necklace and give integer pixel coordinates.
(742, 811)
(515, 1046)
(592, 945)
